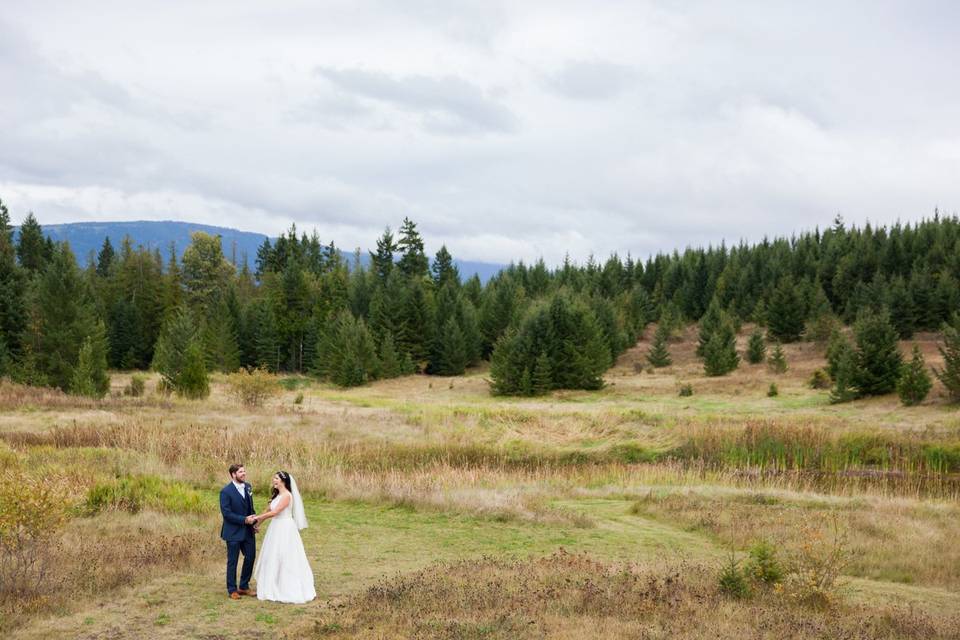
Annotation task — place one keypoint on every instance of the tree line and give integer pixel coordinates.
(304, 308)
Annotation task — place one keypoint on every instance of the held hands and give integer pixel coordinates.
(254, 520)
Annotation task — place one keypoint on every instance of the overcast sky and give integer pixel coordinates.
(506, 130)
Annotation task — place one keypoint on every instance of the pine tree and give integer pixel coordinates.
(720, 355)
(837, 349)
(105, 258)
(33, 251)
(390, 362)
(62, 315)
(90, 376)
(756, 347)
(914, 383)
(470, 326)
(13, 314)
(6, 362)
(178, 334)
(452, 356)
(205, 273)
(901, 309)
(844, 378)
(777, 362)
(542, 379)
(659, 354)
(413, 261)
(219, 338)
(193, 382)
(878, 359)
(785, 313)
(381, 262)
(348, 356)
(950, 350)
(709, 324)
(443, 268)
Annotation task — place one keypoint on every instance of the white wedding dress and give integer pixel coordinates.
(282, 572)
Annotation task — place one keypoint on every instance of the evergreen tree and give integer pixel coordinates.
(12, 291)
(878, 359)
(193, 382)
(122, 335)
(177, 336)
(756, 347)
(837, 349)
(470, 326)
(6, 361)
(901, 308)
(659, 354)
(844, 378)
(390, 363)
(914, 382)
(785, 313)
(381, 262)
(709, 324)
(62, 315)
(219, 338)
(444, 270)
(720, 356)
(205, 273)
(452, 356)
(777, 362)
(542, 378)
(267, 337)
(90, 376)
(105, 258)
(413, 261)
(348, 356)
(950, 350)
(33, 251)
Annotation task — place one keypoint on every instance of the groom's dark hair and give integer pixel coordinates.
(234, 468)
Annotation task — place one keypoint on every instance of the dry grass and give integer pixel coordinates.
(575, 596)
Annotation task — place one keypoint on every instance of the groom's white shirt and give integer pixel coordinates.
(242, 489)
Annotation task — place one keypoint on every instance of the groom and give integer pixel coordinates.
(238, 531)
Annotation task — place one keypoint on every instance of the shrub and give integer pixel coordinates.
(773, 392)
(733, 580)
(814, 578)
(298, 399)
(686, 390)
(31, 515)
(251, 387)
(914, 383)
(819, 380)
(136, 387)
(135, 493)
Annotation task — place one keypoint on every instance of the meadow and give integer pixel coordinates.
(439, 511)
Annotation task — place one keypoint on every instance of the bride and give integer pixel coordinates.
(282, 572)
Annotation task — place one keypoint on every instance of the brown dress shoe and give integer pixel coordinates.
(246, 592)
(234, 596)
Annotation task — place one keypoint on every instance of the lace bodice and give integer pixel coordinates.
(286, 513)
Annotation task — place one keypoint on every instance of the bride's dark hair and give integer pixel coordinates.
(285, 479)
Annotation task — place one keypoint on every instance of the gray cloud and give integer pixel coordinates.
(507, 131)
(446, 105)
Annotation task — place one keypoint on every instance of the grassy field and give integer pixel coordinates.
(437, 510)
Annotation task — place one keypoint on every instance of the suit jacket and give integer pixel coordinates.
(235, 508)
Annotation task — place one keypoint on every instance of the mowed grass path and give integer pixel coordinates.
(351, 545)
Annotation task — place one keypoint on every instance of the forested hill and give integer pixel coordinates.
(86, 238)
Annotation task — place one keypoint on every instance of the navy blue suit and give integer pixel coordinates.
(238, 535)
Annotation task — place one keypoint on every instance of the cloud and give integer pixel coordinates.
(444, 105)
(506, 130)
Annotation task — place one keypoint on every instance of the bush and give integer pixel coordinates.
(137, 386)
(251, 387)
(31, 515)
(135, 493)
(733, 580)
(814, 578)
(298, 399)
(819, 380)
(686, 390)
(773, 392)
